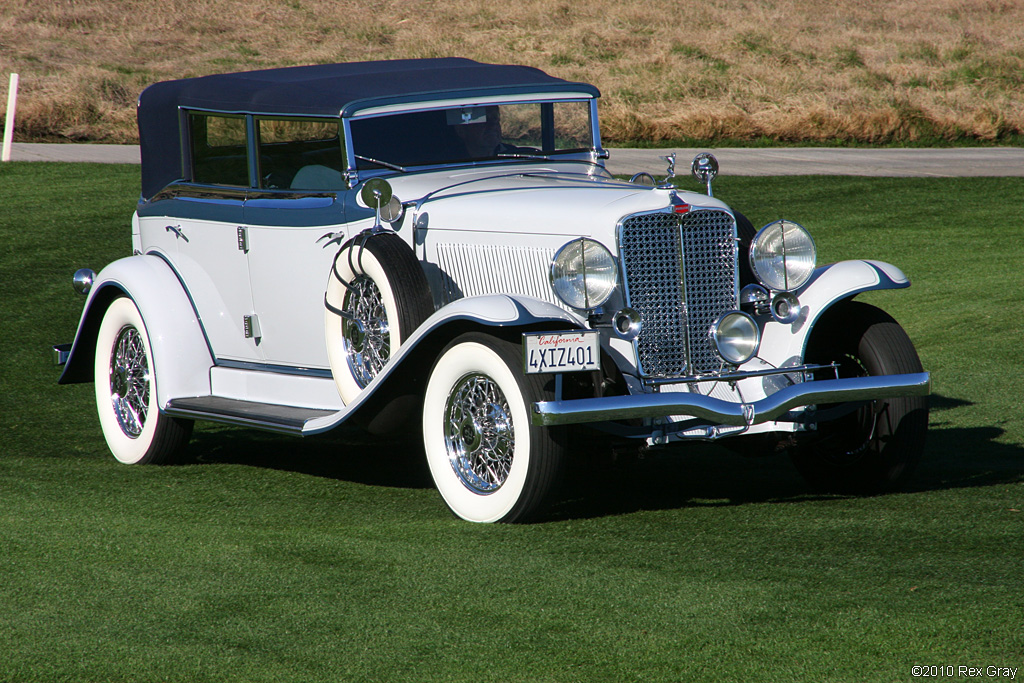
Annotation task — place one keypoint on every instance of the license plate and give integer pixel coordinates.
(561, 352)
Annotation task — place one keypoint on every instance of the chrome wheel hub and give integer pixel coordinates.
(365, 330)
(129, 381)
(479, 434)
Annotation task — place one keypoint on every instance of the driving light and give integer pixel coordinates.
(783, 256)
(583, 274)
(736, 337)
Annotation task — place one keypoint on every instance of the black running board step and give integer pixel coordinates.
(249, 413)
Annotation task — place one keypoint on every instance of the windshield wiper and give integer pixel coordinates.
(385, 164)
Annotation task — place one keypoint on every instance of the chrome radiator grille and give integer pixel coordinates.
(680, 274)
(651, 252)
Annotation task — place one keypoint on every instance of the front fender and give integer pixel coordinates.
(403, 376)
(181, 355)
(501, 310)
(786, 343)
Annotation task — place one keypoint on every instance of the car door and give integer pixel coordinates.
(196, 231)
(292, 240)
(295, 223)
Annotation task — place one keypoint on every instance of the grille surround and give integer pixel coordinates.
(680, 273)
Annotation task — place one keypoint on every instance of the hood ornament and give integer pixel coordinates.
(670, 171)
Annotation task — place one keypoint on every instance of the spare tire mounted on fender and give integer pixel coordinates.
(376, 296)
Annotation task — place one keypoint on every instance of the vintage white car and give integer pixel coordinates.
(436, 245)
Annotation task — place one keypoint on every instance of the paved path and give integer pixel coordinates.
(106, 154)
(897, 163)
(760, 161)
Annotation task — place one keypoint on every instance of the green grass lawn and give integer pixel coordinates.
(331, 559)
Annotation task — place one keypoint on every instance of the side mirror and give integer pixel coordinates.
(377, 195)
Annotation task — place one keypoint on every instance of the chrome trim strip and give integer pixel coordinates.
(232, 193)
(269, 367)
(585, 178)
(235, 193)
(462, 101)
(289, 195)
(718, 411)
(595, 133)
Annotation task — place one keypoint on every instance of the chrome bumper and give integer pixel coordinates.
(717, 411)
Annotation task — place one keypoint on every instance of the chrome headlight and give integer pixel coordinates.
(783, 256)
(736, 337)
(584, 274)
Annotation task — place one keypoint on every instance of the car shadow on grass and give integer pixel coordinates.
(345, 454)
(703, 475)
(692, 475)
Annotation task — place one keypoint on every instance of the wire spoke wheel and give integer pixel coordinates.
(480, 436)
(488, 461)
(377, 295)
(126, 391)
(365, 330)
(129, 381)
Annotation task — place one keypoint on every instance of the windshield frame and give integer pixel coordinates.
(589, 154)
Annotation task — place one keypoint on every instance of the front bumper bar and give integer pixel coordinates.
(717, 411)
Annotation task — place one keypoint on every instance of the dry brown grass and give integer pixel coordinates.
(872, 71)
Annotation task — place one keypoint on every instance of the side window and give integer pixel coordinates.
(301, 154)
(219, 153)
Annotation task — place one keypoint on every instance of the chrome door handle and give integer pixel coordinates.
(331, 237)
(177, 232)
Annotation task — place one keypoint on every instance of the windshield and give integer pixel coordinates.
(465, 134)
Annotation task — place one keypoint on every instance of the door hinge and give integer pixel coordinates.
(251, 325)
(243, 239)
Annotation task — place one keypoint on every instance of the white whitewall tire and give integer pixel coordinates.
(135, 430)
(489, 463)
(376, 296)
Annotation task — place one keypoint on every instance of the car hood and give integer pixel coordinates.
(542, 199)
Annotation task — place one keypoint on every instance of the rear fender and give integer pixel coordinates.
(181, 355)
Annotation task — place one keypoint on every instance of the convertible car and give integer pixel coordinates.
(435, 246)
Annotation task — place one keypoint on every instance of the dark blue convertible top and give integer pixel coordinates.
(319, 90)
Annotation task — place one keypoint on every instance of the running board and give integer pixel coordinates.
(267, 416)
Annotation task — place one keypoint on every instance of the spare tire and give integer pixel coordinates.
(376, 296)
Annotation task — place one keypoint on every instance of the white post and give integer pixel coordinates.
(12, 100)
